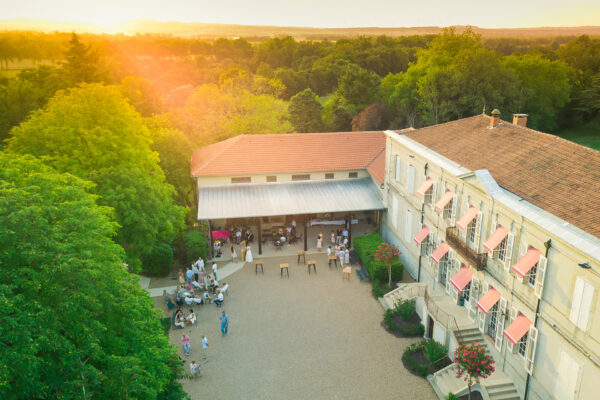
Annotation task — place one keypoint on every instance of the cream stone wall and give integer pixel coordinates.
(262, 178)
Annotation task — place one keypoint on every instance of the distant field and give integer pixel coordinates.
(587, 135)
(10, 73)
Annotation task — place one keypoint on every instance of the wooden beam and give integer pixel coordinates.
(305, 233)
(259, 236)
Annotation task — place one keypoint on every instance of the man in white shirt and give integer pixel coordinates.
(194, 369)
(200, 264)
(219, 299)
(294, 223)
(204, 348)
(341, 255)
(195, 271)
(214, 268)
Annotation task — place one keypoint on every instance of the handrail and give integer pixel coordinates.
(440, 315)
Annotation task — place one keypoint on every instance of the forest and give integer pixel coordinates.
(96, 135)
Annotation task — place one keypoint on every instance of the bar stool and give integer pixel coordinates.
(347, 271)
(257, 263)
(334, 259)
(303, 255)
(314, 265)
(282, 267)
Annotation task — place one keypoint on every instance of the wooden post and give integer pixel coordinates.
(350, 232)
(305, 233)
(212, 246)
(259, 236)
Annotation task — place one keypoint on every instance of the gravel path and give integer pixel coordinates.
(306, 337)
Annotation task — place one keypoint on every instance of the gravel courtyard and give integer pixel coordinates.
(306, 337)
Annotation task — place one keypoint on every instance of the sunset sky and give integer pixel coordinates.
(316, 13)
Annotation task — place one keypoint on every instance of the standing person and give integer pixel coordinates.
(329, 251)
(249, 257)
(347, 257)
(185, 341)
(294, 222)
(320, 242)
(204, 348)
(224, 323)
(238, 236)
(214, 268)
(195, 271)
(189, 274)
(234, 257)
(181, 278)
(341, 255)
(194, 369)
(332, 238)
(200, 264)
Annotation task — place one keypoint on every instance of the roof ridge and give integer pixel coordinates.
(445, 123)
(223, 148)
(375, 158)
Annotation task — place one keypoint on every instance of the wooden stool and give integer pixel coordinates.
(314, 265)
(282, 267)
(347, 271)
(256, 264)
(303, 255)
(334, 259)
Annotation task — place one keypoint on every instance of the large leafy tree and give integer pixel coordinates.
(81, 63)
(305, 112)
(545, 88)
(93, 133)
(73, 322)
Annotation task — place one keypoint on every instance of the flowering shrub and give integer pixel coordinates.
(386, 254)
(472, 363)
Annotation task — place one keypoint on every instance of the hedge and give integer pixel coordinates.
(195, 245)
(365, 247)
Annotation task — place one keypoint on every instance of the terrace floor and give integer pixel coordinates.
(306, 337)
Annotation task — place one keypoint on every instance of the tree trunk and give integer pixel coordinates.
(390, 275)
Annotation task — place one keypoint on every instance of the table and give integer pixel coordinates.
(334, 259)
(314, 265)
(283, 266)
(256, 264)
(347, 271)
(220, 234)
(303, 255)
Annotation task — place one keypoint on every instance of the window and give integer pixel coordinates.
(443, 270)
(271, 178)
(532, 276)
(471, 232)
(329, 175)
(242, 179)
(522, 346)
(448, 210)
(394, 214)
(305, 177)
(398, 168)
(466, 293)
(410, 179)
(428, 196)
(353, 175)
(501, 251)
(583, 294)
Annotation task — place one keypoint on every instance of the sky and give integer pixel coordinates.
(314, 13)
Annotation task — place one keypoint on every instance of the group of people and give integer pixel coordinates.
(341, 252)
(240, 235)
(195, 369)
(338, 238)
(246, 252)
(285, 234)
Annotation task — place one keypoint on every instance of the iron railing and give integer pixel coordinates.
(477, 260)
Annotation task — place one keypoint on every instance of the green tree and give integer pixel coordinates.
(81, 63)
(93, 133)
(18, 98)
(545, 88)
(75, 324)
(358, 86)
(336, 116)
(305, 112)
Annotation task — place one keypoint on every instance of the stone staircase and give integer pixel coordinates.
(502, 390)
(470, 335)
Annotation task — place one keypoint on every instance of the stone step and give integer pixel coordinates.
(510, 396)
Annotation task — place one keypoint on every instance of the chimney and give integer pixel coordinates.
(520, 119)
(495, 118)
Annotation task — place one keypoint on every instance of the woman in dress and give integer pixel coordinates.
(320, 242)
(181, 278)
(347, 257)
(249, 257)
(234, 256)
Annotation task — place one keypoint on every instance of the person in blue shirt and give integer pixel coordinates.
(224, 323)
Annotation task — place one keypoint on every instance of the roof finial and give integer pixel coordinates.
(483, 112)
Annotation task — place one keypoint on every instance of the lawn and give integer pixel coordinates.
(586, 135)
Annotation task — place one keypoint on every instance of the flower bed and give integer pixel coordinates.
(425, 357)
(403, 320)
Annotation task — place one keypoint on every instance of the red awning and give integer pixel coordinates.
(488, 300)
(422, 235)
(444, 200)
(517, 329)
(495, 239)
(524, 265)
(462, 278)
(440, 252)
(425, 187)
(467, 217)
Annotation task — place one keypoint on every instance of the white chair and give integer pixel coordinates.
(225, 289)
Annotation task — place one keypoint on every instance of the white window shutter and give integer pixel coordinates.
(586, 306)
(408, 226)
(449, 269)
(531, 346)
(478, 228)
(500, 327)
(434, 194)
(394, 213)
(541, 274)
(398, 168)
(576, 301)
(513, 315)
(454, 210)
(474, 296)
(410, 179)
(510, 239)
(481, 320)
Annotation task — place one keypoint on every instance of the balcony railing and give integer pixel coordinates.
(477, 260)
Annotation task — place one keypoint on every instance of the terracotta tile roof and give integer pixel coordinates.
(555, 174)
(288, 153)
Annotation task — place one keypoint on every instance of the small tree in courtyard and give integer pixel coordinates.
(472, 363)
(386, 253)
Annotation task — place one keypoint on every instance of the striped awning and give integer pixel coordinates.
(288, 198)
(467, 217)
(425, 187)
(495, 239)
(444, 200)
(421, 235)
(462, 278)
(525, 263)
(517, 329)
(488, 300)
(440, 252)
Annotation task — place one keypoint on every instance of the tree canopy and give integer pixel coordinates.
(305, 112)
(74, 323)
(93, 133)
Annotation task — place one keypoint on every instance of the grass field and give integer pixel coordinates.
(9, 73)
(586, 135)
